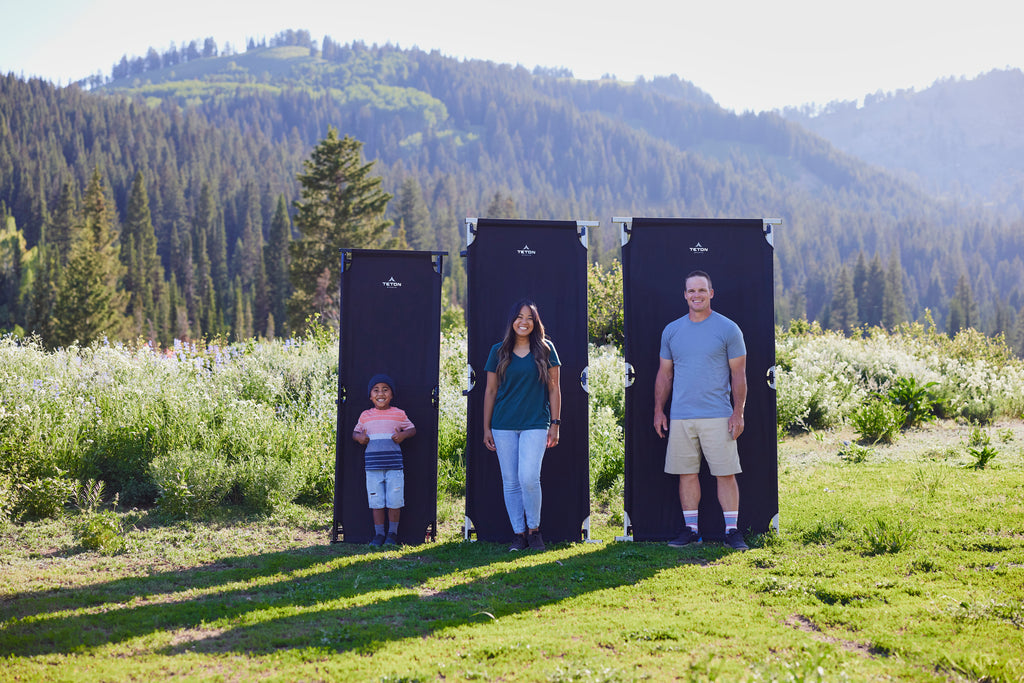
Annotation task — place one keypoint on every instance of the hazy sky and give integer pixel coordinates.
(745, 54)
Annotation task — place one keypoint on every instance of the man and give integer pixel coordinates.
(703, 365)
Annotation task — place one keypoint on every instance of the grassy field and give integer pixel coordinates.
(897, 562)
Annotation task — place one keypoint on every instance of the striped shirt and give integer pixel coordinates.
(382, 453)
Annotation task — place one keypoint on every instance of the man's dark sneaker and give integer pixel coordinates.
(518, 543)
(392, 539)
(377, 541)
(734, 539)
(684, 539)
(535, 541)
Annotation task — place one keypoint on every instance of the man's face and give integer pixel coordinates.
(698, 294)
(380, 396)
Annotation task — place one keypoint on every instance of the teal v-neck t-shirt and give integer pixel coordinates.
(522, 400)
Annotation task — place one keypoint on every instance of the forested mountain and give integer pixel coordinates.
(216, 141)
(959, 138)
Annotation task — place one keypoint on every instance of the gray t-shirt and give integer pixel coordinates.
(700, 354)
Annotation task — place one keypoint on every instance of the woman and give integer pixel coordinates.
(522, 403)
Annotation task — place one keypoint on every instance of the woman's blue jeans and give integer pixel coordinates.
(520, 454)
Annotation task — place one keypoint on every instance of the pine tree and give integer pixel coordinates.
(860, 279)
(414, 216)
(963, 309)
(844, 304)
(502, 206)
(144, 273)
(12, 254)
(894, 303)
(89, 304)
(342, 206)
(277, 262)
(872, 300)
(63, 222)
(44, 275)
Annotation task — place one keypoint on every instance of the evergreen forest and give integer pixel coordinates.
(166, 200)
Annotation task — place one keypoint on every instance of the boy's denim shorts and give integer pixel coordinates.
(385, 489)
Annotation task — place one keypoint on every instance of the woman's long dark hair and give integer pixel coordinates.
(541, 352)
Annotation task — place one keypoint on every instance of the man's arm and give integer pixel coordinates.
(738, 380)
(662, 388)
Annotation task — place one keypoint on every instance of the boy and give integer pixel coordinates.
(381, 429)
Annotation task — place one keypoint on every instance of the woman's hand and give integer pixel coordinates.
(552, 436)
(489, 440)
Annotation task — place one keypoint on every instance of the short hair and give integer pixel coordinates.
(698, 273)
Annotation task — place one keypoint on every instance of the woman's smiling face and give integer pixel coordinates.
(523, 324)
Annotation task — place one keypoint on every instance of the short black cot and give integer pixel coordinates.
(390, 323)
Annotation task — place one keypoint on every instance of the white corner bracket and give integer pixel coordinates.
(626, 536)
(583, 233)
(468, 529)
(625, 227)
(470, 230)
(585, 532)
(768, 225)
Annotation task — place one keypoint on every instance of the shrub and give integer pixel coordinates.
(43, 497)
(453, 319)
(878, 420)
(979, 447)
(266, 483)
(191, 483)
(607, 449)
(854, 453)
(606, 380)
(605, 321)
(915, 399)
(8, 496)
(451, 477)
(316, 486)
(101, 531)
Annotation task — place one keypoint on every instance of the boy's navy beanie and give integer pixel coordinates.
(377, 379)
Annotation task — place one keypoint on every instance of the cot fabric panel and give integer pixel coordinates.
(659, 254)
(545, 261)
(390, 323)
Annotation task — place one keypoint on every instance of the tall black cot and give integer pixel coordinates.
(390, 323)
(546, 261)
(657, 254)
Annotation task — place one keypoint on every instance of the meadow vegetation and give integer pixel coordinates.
(167, 513)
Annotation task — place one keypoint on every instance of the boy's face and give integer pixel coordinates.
(380, 396)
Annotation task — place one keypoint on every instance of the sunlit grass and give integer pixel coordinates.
(240, 598)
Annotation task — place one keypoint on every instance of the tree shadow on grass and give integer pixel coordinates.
(302, 585)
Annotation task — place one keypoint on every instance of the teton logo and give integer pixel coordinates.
(391, 283)
(699, 248)
(526, 251)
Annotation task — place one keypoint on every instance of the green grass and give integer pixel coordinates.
(908, 566)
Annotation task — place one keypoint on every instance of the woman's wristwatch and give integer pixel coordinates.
(556, 421)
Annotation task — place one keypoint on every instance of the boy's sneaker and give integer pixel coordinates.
(734, 539)
(684, 539)
(518, 543)
(392, 539)
(535, 541)
(377, 541)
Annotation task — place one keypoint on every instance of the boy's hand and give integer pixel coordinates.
(401, 435)
(359, 435)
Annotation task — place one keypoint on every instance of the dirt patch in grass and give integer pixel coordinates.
(802, 623)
